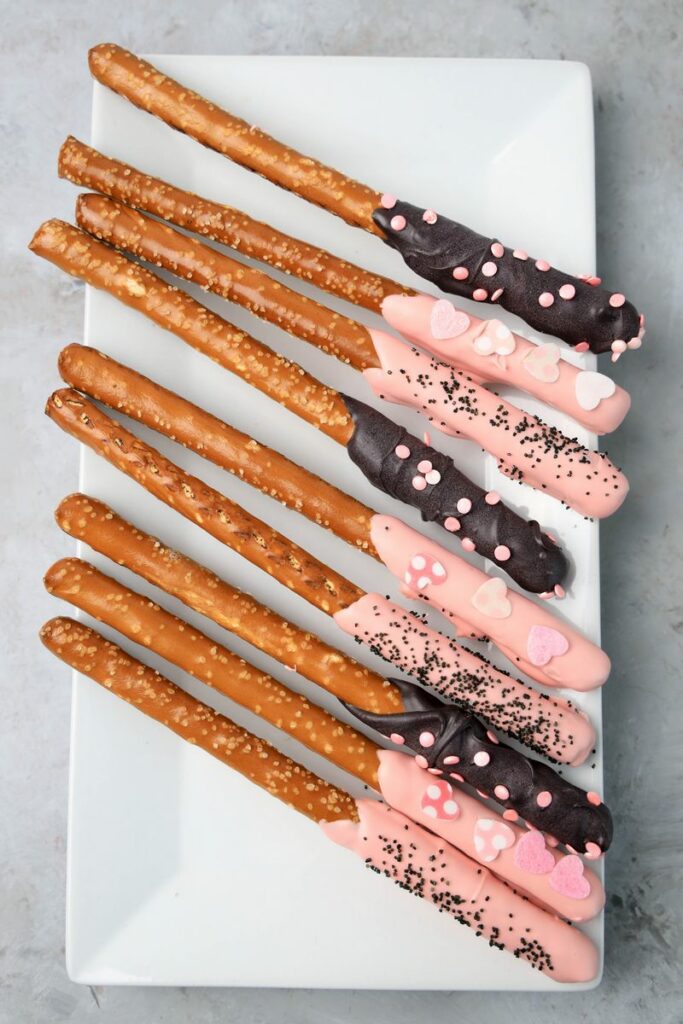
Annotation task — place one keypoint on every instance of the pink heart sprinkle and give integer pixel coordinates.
(532, 856)
(568, 879)
(545, 643)
(446, 321)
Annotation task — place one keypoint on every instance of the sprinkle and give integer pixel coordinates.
(552, 841)
(492, 497)
(402, 451)
(593, 851)
(398, 222)
(519, 254)
(567, 291)
(502, 553)
(510, 815)
(492, 738)
(496, 295)
(489, 269)
(419, 483)
(542, 265)
(464, 506)
(502, 792)
(433, 477)
(617, 300)
(424, 466)
(635, 342)
(559, 591)
(480, 294)
(583, 346)
(593, 798)
(544, 798)
(429, 217)
(451, 524)
(451, 759)
(461, 273)
(427, 739)
(421, 761)
(397, 738)
(546, 299)
(468, 545)
(427, 438)
(456, 776)
(619, 346)
(388, 201)
(435, 771)
(481, 758)
(497, 250)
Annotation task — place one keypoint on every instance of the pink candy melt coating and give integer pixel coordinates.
(583, 667)
(403, 785)
(393, 633)
(416, 380)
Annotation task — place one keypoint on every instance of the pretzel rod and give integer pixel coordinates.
(449, 254)
(525, 447)
(550, 725)
(78, 254)
(157, 697)
(223, 519)
(106, 380)
(387, 454)
(97, 525)
(470, 892)
(147, 623)
(460, 339)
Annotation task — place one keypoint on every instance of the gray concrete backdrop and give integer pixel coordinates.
(634, 52)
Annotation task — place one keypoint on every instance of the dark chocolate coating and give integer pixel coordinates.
(570, 817)
(434, 250)
(535, 562)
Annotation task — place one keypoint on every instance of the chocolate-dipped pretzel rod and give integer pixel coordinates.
(465, 889)
(526, 448)
(449, 254)
(527, 634)
(484, 348)
(548, 724)
(396, 462)
(454, 744)
(147, 623)
(123, 389)
(85, 166)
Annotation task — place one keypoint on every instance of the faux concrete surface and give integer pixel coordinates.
(633, 51)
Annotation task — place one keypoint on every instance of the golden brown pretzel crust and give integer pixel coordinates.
(188, 112)
(144, 622)
(86, 167)
(98, 526)
(195, 261)
(80, 255)
(160, 699)
(121, 388)
(201, 504)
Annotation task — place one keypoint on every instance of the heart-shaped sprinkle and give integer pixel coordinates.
(490, 599)
(490, 837)
(545, 643)
(531, 854)
(592, 387)
(568, 879)
(437, 801)
(542, 362)
(424, 570)
(446, 321)
(496, 339)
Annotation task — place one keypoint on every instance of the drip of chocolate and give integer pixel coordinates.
(396, 462)
(458, 745)
(466, 263)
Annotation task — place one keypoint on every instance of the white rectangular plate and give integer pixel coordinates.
(180, 872)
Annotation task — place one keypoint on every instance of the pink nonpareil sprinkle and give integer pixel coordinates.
(388, 201)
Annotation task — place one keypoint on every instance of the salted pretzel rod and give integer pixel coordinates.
(486, 349)
(146, 623)
(85, 166)
(551, 725)
(126, 391)
(525, 447)
(391, 458)
(463, 888)
(449, 254)
(579, 664)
